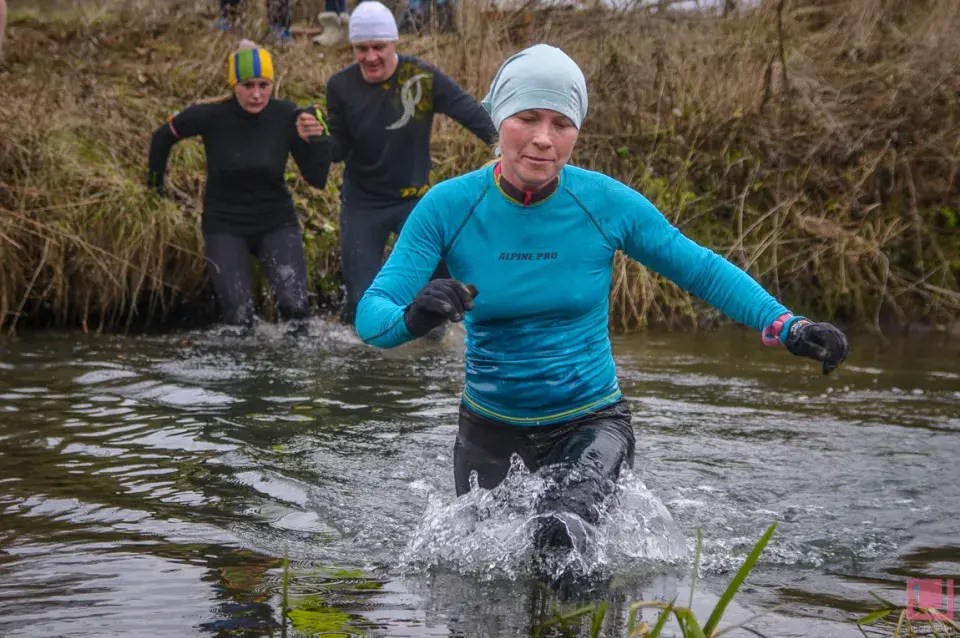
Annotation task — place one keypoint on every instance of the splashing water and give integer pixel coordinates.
(489, 533)
(316, 332)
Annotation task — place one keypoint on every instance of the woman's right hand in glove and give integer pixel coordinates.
(441, 300)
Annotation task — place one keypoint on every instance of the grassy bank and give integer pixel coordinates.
(815, 143)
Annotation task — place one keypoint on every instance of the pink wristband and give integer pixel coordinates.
(771, 334)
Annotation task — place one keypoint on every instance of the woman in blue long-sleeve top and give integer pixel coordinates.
(529, 242)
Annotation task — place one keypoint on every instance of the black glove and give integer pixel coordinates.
(819, 341)
(315, 111)
(439, 301)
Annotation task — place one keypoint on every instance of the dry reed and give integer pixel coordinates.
(814, 143)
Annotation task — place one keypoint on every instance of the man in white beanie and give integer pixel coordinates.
(381, 112)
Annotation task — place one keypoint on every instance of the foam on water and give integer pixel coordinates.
(489, 533)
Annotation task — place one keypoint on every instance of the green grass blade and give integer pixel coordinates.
(598, 620)
(661, 622)
(883, 601)
(632, 618)
(688, 624)
(285, 600)
(696, 566)
(577, 613)
(745, 569)
(634, 608)
(875, 616)
(562, 619)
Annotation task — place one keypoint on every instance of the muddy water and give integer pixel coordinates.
(152, 486)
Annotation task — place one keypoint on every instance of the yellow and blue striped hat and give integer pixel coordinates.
(248, 64)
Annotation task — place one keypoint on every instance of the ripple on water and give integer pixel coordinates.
(95, 377)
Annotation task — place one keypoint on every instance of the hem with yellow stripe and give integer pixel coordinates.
(546, 419)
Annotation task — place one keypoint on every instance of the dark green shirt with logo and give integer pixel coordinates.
(382, 131)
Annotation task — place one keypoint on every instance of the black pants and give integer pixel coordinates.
(363, 238)
(282, 258)
(278, 11)
(583, 456)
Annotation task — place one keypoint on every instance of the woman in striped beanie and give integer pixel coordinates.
(247, 208)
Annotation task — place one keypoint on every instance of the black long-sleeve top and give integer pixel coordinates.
(382, 131)
(246, 192)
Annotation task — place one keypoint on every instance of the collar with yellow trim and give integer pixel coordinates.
(521, 196)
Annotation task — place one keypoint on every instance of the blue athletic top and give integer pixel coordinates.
(537, 342)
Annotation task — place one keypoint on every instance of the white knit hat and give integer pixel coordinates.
(372, 21)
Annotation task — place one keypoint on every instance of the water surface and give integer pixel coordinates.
(151, 486)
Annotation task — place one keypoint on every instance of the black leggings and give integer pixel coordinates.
(363, 238)
(583, 456)
(282, 258)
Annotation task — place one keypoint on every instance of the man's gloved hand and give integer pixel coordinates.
(819, 341)
(439, 301)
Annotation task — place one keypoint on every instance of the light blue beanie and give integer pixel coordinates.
(539, 77)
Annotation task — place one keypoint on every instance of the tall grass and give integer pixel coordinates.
(589, 620)
(814, 143)
(923, 622)
(686, 621)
